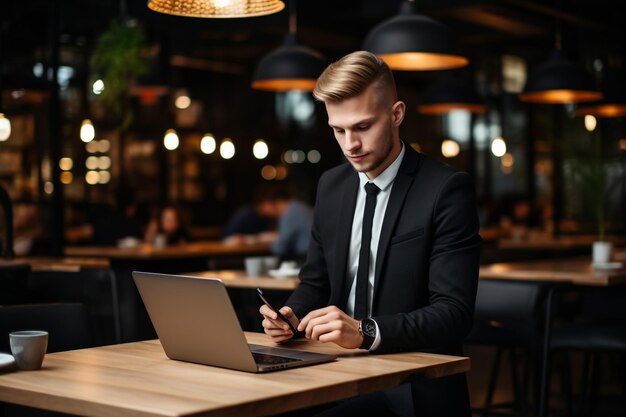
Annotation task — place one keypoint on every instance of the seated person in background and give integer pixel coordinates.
(167, 227)
(255, 221)
(115, 220)
(295, 219)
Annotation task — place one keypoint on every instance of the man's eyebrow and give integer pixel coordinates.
(360, 122)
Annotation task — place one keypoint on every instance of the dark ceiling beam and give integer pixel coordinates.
(182, 61)
(494, 17)
(576, 20)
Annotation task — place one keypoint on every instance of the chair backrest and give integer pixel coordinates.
(66, 323)
(506, 312)
(14, 284)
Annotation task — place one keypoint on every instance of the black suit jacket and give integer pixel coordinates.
(426, 265)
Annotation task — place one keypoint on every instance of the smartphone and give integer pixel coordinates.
(280, 316)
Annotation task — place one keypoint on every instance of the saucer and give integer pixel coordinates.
(284, 272)
(608, 265)
(6, 360)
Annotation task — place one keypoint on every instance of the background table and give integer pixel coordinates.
(556, 274)
(240, 279)
(137, 379)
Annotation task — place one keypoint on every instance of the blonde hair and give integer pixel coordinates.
(351, 75)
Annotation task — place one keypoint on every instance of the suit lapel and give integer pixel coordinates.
(399, 190)
(344, 233)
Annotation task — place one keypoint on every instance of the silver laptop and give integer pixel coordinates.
(196, 322)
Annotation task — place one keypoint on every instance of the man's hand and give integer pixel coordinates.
(330, 324)
(275, 327)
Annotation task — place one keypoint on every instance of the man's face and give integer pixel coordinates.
(366, 128)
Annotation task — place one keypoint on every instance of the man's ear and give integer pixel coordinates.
(398, 111)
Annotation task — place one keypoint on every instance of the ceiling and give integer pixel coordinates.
(590, 29)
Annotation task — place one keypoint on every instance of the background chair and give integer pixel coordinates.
(14, 284)
(68, 328)
(508, 315)
(598, 331)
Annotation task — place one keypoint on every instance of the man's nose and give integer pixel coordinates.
(351, 141)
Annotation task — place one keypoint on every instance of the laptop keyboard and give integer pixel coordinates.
(265, 359)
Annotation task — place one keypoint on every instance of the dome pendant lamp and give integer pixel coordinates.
(447, 94)
(216, 8)
(613, 103)
(559, 81)
(290, 66)
(413, 42)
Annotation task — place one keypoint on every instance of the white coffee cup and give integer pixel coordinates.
(271, 262)
(255, 266)
(28, 347)
(601, 252)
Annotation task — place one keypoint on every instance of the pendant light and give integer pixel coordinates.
(413, 42)
(5, 128)
(5, 123)
(447, 94)
(559, 81)
(290, 66)
(613, 102)
(216, 8)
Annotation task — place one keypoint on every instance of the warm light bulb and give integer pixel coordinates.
(87, 131)
(449, 148)
(182, 102)
(208, 144)
(268, 172)
(590, 123)
(314, 156)
(66, 163)
(170, 140)
(104, 162)
(260, 149)
(227, 149)
(5, 128)
(498, 147)
(97, 87)
(507, 160)
(92, 177)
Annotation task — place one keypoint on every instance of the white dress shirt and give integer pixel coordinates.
(384, 181)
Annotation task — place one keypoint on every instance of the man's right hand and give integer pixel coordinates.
(274, 327)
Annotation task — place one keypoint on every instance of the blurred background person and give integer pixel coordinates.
(254, 222)
(119, 219)
(167, 227)
(295, 218)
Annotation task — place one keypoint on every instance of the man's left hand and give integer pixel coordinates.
(330, 324)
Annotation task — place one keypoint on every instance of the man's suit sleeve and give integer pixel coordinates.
(453, 276)
(314, 289)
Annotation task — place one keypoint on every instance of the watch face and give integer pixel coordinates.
(369, 328)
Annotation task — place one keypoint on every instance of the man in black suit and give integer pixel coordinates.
(413, 287)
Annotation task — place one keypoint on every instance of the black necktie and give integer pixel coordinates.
(362, 272)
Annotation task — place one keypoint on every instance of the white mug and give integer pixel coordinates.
(29, 348)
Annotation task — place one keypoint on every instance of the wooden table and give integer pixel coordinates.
(556, 273)
(137, 379)
(556, 243)
(172, 259)
(576, 271)
(185, 250)
(240, 279)
(60, 264)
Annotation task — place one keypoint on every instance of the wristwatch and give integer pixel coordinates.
(367, 329)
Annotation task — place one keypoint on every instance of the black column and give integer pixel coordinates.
(54, 136)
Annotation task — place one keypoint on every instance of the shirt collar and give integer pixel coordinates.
(385, 178)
